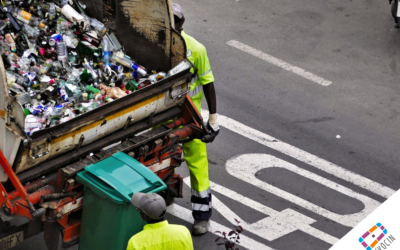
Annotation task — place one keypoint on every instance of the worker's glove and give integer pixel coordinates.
(212, 124)
(212, 128)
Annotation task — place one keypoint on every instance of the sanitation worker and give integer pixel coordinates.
(195, 152)
(157, 234)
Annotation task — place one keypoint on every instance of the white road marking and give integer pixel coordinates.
(278, 62)
(186, 214)
(302, 155)
(276, 225)
(245, 167)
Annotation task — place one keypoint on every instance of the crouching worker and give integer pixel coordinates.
(157, 234)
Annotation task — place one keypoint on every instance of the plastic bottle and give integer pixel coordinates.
(121, 59)
(62, 53)
(105, 44)
(73, 77)
(32, 122)
(62, 24)
(30, 31)
(27, 18)
(70, 39)
(98, 26)
(52, 11)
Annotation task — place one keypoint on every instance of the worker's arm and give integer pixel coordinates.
(209, 93)
(212, 125)
(206, 79)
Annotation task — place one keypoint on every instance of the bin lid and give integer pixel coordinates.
(119, 177)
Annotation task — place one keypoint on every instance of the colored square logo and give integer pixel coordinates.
(373, 236)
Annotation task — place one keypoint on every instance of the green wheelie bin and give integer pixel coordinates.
(109, 219)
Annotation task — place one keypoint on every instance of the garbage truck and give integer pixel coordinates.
(39, 190)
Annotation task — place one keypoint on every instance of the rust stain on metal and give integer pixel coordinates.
(150, 26)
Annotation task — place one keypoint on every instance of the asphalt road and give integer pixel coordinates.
(352, 125)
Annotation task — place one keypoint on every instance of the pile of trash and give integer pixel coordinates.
(60, 63)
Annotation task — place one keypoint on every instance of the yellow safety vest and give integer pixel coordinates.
(197, 54)
(160, 236)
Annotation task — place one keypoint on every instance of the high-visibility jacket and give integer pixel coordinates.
(197, 54)
(195, 152)
(161, 236)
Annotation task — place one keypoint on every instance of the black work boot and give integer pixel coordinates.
(201, 227)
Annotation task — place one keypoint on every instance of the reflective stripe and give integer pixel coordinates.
(198, 87)
(200, 207)
(196, 91)
(205, 73)
(203, 194)
(194, 79)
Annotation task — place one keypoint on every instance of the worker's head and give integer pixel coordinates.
(151, 206)
(179, 18)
